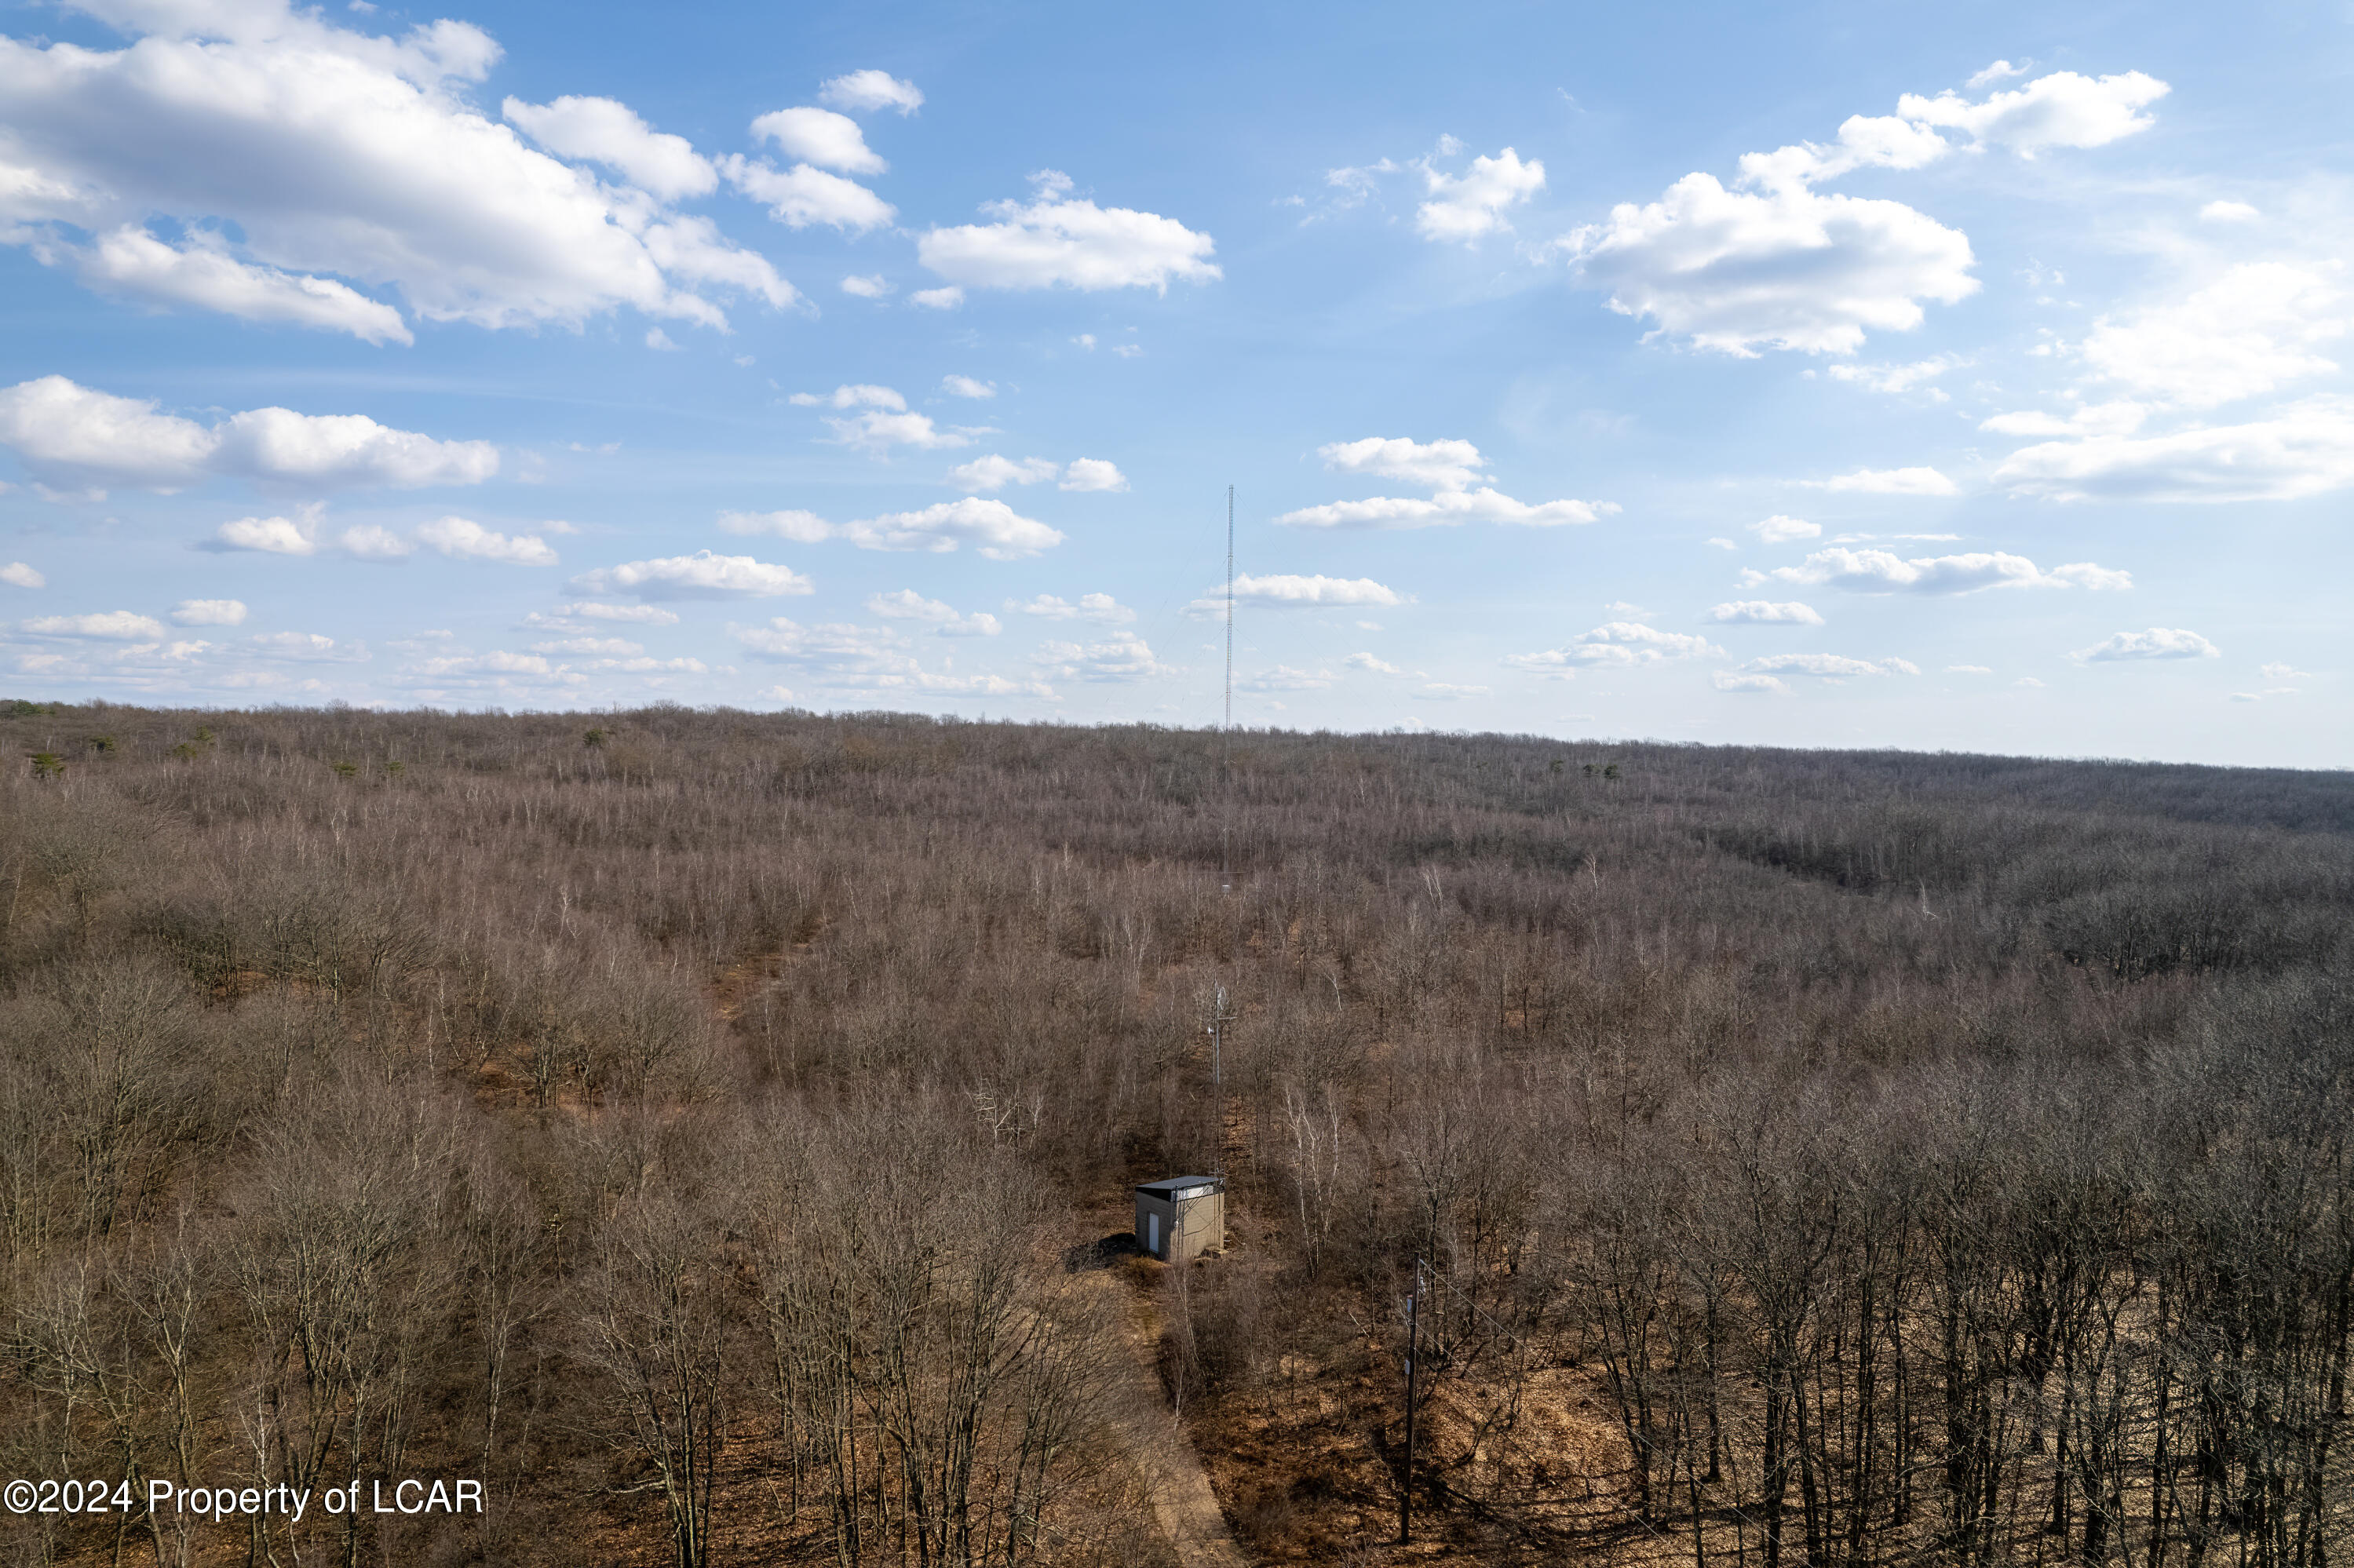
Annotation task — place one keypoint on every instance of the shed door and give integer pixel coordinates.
(1152, 1234)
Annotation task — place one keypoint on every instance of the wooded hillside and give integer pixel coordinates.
(704, 1129)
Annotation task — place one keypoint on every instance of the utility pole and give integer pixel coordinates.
(1406, 1487)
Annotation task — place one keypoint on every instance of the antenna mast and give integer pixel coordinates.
(1226, 735)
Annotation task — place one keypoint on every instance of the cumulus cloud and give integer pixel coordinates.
(991, 527)
(1828, 666)
(1438, 466)
(1447, 509)
(946, 299)
(1467, 206)
(1293, 592)
(1373, 665)
(602, 130)
(805, 195)
(1764, 612)
(1780, 530)
(1056, 239)
(2285, 672)
(2248, 332)
(2158, 642)
(78, 435)
(2061, 109)
(1726, 681)
(1093, 473)
(868, 287)
(1123, 657)
(209, 613)
(701, 574)
(1100, 608)
(1882, 571)
(2228, 212)
(2305, 448)
(1615, 645)
(868, 90)
(16, 574)
(131, 262)
(965, 386)
(1737, 271)
(105, 626)
(1887, 482)
(821, 137)
(906, 604)
(342, 161)
(858, 395)
(994, 473)
(1775, 262)
(1284, 678)
(467, 540)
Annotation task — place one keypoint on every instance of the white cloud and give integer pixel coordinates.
(369, 542)
(1093, 473)
(2062, 110)
(1128, 350)
(307, 648)
(877, 432)
(2158, 642)
(1615, 645)
(1284, 678)
(1882, 571)
(869, 90)
(873, 286)
(700, 575)
(1894, 380)
(602, 647)
(1372, 665)
(77, 434)
(131, 261)
(16, 574)
(1887, 482)
(994, 473)
(1777, 263)
(331, 154)
(2228, 212)
(946, 299)
(2254, 328)
(1764, 612)
(2120, 418)
(1056, 239)
(1726, 681)
(1722, 545)
(1121, 658)
(2285, 672)
(821, 137)
(2306, 449)
(106, 625)
(1443, 692)
(1292, 592)
(467, 540)
(1829, 666)
(1467, 206)
(632, 614)
(273, 536)
(660, 341)
(2001, 70)
(209, 612)
(965, 386)
(1447, 509)
(1969, 669)
(601, 130)
(1100, 608)
(861, 396)
(906, 604)
(1786, 268)
(991, 527)
(1439, 465)
(803, 195)
(1780, 530)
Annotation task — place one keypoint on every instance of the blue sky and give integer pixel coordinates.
(1932, 376)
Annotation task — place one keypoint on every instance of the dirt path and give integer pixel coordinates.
(1187, 1508)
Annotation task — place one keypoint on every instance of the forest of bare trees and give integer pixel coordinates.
(704, 1130)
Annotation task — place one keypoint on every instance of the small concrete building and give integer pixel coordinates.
(1182, 1217)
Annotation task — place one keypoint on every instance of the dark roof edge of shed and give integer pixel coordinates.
(1169, 1184)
